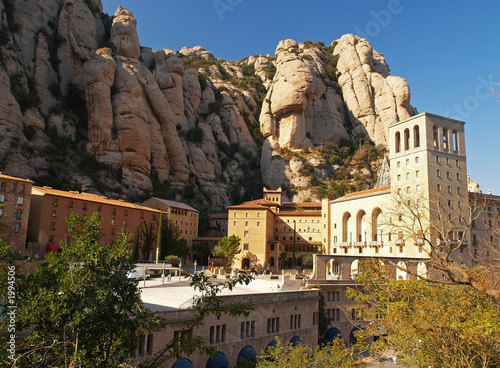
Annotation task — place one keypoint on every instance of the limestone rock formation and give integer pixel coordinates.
(126, 121)
(374, 98)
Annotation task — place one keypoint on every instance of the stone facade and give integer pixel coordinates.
(290, 316)
(270, 229)
(15, 200)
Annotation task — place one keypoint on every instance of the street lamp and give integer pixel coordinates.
(180, 270)
(195, 264)
(293, 249)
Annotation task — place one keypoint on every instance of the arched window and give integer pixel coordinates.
(375, 214)
(271, 262)
(445, 138)
(435, 136)
(407, 139)
(455, 140)
(346, 227)
(360, 226)
(400, 273)
(416, 136)
(398, 142)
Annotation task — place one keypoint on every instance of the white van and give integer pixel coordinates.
(138, 274)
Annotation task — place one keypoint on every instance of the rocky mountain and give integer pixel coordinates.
(85, 107)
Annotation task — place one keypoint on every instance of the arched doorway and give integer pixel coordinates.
(245, 263)
(294, 341)
(354, 268)
(272, 344)
(333, 333)
(422, 269)
(248, 353)
(333, 269)
(218, 361)
(183, 363)
(401, 274)
(360, 226)
(352, 336)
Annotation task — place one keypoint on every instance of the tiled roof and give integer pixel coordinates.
(2, 176)
(219, 216)
(366, 192)
(299, 213)
(258, 203)
(302, 204)
(89, 198)
(175, 204)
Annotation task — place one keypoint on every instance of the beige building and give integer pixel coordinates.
(184, 217)
(272, 232)
(290, 315)
(15, 200)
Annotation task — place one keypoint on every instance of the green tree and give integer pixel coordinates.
(302, 355)
(147, 237)
(171, 241)
(201, 250)
(80, 309)
(429, 324)
(228, 248)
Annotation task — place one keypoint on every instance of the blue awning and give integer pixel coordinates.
(294, 340)
(271, 344)
(183, 363)
(248, 353)
(333, 333)
(218, 361)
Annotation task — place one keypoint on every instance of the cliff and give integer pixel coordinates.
(84, 107)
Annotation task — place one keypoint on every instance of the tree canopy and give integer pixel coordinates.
(228, 247)
(429, 324)
(79, 308)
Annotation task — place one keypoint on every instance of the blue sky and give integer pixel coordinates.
(448, 51)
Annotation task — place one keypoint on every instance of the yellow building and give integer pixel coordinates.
(272, 232)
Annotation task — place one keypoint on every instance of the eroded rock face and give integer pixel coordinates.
(120, 125)
(186, 116)
(374, 98)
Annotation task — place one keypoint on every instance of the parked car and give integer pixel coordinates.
(138, 274)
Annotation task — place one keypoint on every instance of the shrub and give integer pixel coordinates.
(173, 260)
(195, 135)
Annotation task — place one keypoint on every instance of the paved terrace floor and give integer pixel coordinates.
(170, 295)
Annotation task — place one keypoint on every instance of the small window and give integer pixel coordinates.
(439, 187)
(438, 173)
(246, 234)
(17, 228)
(416, 160)
(417, 173)
(20, 200)
(245, 246)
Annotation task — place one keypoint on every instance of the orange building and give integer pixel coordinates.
(15, 196)
(50, 207)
